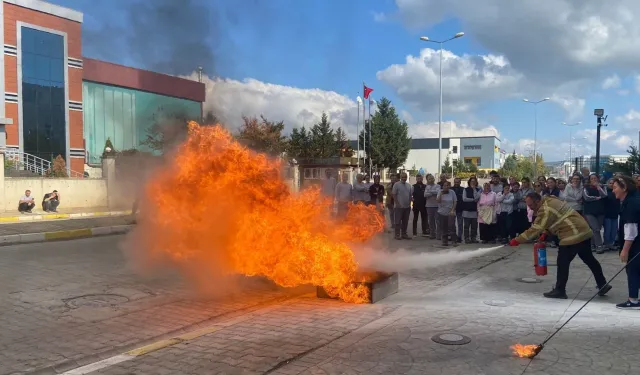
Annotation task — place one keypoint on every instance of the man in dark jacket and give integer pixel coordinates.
(376, 192)
(628, 237)
(459, 207)
(419, 207)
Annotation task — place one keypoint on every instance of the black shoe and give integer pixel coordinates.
(406, 237)
(628, 306)
(600, 250)
(555, 293)
(604, 290)
(29, 211)
(459, 239)
(398, 237)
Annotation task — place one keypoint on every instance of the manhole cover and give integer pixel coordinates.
(529, 280)
(451, 339)
(498, 303)
(95, 300)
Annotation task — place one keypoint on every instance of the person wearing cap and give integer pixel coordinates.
(51, 201)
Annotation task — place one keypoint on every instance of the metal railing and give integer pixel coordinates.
(22, 161)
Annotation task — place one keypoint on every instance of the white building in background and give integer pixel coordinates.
(484, 152)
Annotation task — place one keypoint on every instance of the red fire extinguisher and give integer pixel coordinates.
(540, 258)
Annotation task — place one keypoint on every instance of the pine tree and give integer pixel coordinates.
(323, 143)
(299, 144)
(390, 141)
(342, 144)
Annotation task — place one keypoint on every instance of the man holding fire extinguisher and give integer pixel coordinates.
(554, 217)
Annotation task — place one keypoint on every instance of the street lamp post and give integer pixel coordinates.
(359, 100)
(426, 39)
(570, 138)
(535, 129)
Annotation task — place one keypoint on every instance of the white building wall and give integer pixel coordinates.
(425, 159)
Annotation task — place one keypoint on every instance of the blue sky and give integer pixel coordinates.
(294, 47)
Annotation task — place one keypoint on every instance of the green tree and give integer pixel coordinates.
(342, 143)
(262, 135)
(390, 141)
(446, 167)
(323, 141)
(510, 166)
(299, 144)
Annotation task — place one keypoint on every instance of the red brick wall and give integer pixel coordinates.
(144, 80)
(14, 14)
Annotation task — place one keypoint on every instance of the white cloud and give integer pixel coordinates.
(558, 42)
(467, 80)
(611, 82)
(572, 105)
(623, 142)
(630, 120)
(450, 128)
(231, 99)
(623, 92)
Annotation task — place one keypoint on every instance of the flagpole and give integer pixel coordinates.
(370, 141)
(358, 134)
(364, 125)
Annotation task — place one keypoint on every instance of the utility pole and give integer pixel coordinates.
(599, 113)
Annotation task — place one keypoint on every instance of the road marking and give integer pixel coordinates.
(99, 365)
(67, 234)
(153, 347)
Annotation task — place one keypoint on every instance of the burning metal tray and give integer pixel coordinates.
(380, 286)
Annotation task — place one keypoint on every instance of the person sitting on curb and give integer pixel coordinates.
(51, 201)
(26, 203)
(555, 217)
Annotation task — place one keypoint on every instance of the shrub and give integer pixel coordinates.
(58, 168)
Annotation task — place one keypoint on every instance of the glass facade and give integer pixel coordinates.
(125, 116)
(43, 96)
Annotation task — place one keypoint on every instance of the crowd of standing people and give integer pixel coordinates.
(572, 215)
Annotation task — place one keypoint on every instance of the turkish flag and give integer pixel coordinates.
(367, 92)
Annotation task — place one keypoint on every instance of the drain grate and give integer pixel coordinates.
(95, 300)
(498, 303)
(451, 339)
(529, 280)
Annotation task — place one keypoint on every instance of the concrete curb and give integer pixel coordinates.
(14, 239)
(36, 217)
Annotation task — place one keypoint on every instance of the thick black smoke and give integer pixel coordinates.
(168, 36)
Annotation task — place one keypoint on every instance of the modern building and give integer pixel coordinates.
(484, 152)
(56, 102)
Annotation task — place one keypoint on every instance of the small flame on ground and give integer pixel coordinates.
(524, 351)
(219, 208)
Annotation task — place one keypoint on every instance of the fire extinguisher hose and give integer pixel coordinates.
(541, 346)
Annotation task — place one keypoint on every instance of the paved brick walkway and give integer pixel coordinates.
(267, 330)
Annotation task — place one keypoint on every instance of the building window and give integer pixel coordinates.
(473, 147)
(43, 96)
(454, 149)
(479, 162)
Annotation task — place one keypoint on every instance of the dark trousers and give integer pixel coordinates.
(422, 212)
(402, 220)
(459, 223)
(22, 207)
(521, 221)
(566, 255)
(470, 229)
(633, 275)
(343, 208)
(504, 225)
(513, 228)
(447, 227)
(51, 205)
(488, 232)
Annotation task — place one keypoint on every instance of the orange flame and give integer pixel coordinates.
(219, 207)
(524, 351)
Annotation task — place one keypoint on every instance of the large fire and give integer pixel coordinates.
(221, 207)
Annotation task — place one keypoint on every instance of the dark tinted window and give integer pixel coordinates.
(43, 96)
